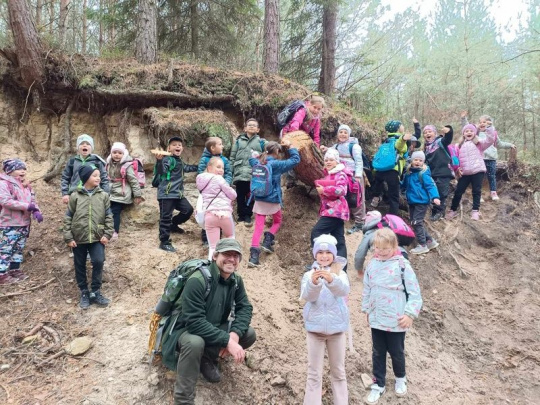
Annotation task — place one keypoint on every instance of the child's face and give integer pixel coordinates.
(315, 108)
(116, 156)
(217, 168)
(324, 258)
(342, 136)
(429, 134)
(85, 149)
(418, 163)
(469, 134)
(93, 181)
(401, 129)
(384, 252)
(482, 124)
(251, 128)
(18, 174)
(329, 164)
(217, 149)
(176, 148)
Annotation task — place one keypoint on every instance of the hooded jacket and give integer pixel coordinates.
(401, 149)
(173, 188)
(123, 190)
(333, 201)
(353, 162)
(279, 167)
(70, 176)
(15, 198)
(241, 153)
(88, 216)
(383, 298)
(300, 123)
(216, 193)
(437, 159)
(471, 158)
(419, 186)
(205, 158)
(490, 153)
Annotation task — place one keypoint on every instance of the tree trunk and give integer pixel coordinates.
(271, 36)
(194, 16)
(84, 26)
(39, 8)
(52, 17)
(146, 42)
(27, 44)
(100, 26)
(328, 63)
(64, 8)
(311, 163)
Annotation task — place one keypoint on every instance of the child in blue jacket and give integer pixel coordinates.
(270, 204)
(420, 191)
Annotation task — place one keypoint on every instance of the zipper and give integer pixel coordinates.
(90, 220)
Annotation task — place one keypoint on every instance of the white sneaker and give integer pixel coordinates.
(375, 394)
(432, 244)
(401, 386)
(420, 249)
(482, 200)
(494, 196)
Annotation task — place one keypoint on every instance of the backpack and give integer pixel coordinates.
(353, 191)
(403, 231)
(286, 115)
(386, 156)
(454, 156)
(261, 181)
(165, 176)
(138, 168)
(168, 308)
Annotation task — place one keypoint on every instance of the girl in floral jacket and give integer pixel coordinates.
(391, 300)
(334, 210)
(17, 205)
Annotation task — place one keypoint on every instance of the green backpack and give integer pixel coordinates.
(169, 307)
(165, 176)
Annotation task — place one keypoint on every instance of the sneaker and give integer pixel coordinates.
(84, 302)
(375, 394)
(494, 196)
(437, 216)
(167, 246)
(451, 215)
(482, 200)
(475, 215)
(98, 299)
(6, 279)
(355, 228)
(114, 236)
(419, 250)
(267, 244)
(248, 222)
(210, 370)
(18, 275)
(375, 202)
(254, 253)
(401, 386)
(177, 229)
(432, 244)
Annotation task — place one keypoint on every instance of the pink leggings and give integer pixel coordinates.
(259, 227)
(213, 224)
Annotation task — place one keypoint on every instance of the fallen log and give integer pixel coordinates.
(311, 163)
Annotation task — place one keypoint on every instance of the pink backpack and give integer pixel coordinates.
(138, 168)
(403, 231)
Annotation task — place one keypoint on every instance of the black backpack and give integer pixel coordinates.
(286, 115)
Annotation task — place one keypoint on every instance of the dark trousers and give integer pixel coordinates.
(391, 178)
(463, 183)
(387, 342)
(192, 348)
(97, 257)
(491, 174)
(243, 192)
(443, 187)
(166, 219)
(116, 209)
(334, 227)
(417, 213)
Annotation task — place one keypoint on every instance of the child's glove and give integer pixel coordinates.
(255, 154)
(38, 216)
(32, 208)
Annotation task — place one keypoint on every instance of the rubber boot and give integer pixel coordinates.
(254, 253)
(267, 244)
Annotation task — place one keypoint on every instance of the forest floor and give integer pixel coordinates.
(476, 341)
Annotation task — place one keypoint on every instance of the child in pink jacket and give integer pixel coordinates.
(17, 204)
(471, 167)
(217, 202)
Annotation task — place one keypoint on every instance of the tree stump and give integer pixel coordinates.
(311, 163)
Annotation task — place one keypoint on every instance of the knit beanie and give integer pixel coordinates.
(332, 154)
(85, 171)
(85, 138)
(372, 215)
(10, 165)
(469, 126)
(118, 146)
(432, 127)
(392, 126)
(325, 242)
(418, 154)
(346, 128)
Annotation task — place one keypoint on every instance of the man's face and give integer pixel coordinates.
(227, 262)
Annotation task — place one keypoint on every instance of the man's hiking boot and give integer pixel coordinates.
(450, 215)
(401, 386)
(375, 202)
(494, 196)
(267, 242)
(375, 394)
(84, 302)
(432, 244)
(355, 228)
(475, 215)
(419, 250)
(98, 299)
(254, 253)
(6, 279)
(167, 246)
(18, 275)
(177, 229)
(210, 370)
(436, 217)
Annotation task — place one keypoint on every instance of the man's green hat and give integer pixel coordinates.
(228, 245)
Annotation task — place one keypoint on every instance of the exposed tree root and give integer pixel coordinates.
(27, 291)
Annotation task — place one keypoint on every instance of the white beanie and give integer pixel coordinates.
(119, 146)
(325, 242)
(332, 154)
(346, 128)
(85, 138)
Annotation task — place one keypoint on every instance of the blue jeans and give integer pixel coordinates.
(491, 174)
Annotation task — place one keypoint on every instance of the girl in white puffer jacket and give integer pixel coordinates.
(326, 319)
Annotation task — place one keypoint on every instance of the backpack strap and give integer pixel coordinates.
(205, 271)
(232, 314)
(402, 268)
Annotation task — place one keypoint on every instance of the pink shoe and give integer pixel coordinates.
(475, 215)
(6, 279)
(494, 196)
(450, 215)
(114, 237)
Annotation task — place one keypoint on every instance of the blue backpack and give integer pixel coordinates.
(261, 180)
(386, 157)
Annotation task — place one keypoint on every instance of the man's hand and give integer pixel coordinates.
(104, 240)
(405, 321)
(65, 199)
(224, 352)
(72, 244)
(235, 350)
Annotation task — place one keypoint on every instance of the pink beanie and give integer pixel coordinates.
(119, 146)
(469, 126)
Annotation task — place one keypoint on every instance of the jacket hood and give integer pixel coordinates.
(82, 190)
(339, 168)
(13, 180)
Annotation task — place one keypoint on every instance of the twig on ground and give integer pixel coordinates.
(29, 313)
(34, 330)
(463, 273)
(29, 290)
(56, 337)
(20, 378)
(88, 358)
(5, 389)
(51, 358)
